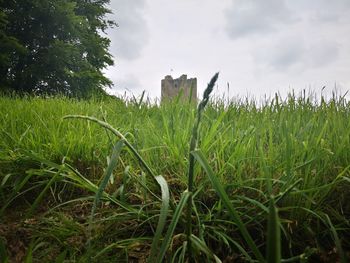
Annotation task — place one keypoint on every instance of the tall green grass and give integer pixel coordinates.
(271, 182)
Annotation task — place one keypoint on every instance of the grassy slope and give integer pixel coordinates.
(287, 141)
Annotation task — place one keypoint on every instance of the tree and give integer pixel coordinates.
(54, 46)
(8, 45)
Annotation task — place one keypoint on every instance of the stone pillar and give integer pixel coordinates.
(183, 87)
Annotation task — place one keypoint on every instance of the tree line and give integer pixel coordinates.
(54, 46)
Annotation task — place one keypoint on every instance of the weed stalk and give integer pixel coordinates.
(193, 145)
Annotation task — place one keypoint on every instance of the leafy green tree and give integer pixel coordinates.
(8, 45)
(54, 46)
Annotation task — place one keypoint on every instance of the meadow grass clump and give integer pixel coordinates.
(132, 181)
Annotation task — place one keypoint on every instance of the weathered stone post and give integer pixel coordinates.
(183, 87)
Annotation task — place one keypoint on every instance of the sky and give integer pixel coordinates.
(260, 47)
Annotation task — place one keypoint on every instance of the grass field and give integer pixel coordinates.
(271, 183)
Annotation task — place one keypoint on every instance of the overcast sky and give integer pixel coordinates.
(259, 46)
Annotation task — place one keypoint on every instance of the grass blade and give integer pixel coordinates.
(118, 134)
(200, 245)
(61, 257)
(42, 193)
(273, 253)
(3, 252)
(112, 164)
(337, 242)
(226, 201)
(176, 216)
(162, 217)
(193, 145)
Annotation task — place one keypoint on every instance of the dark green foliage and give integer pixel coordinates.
(54, 46)
(8, 46)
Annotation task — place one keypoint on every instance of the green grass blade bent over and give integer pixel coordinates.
(118, 134)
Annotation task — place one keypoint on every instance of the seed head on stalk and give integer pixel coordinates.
(193, 145)
(209, 89)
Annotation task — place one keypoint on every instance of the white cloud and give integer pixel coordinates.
(288, 35)
(251, 17)
(296, 53)
(324, 11)
(132, 35)
(322, 54)
(260, 46)
(128, 82)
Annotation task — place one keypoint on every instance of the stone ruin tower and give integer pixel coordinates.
(182, 86)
